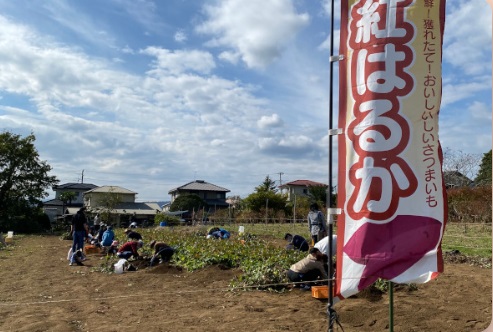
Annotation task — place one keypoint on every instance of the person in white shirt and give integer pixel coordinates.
(323, 244)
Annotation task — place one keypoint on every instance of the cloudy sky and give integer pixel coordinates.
(150, 95)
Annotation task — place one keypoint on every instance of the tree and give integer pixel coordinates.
(484, 175)
(189, 202)
(267, 185)
(318, 194)
(458, 162)
(108, 202)
(24, 178)
(66, 197)
(262, 200)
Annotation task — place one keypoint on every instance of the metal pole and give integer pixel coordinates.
(266, 210)
(330, 312)
(391, 306)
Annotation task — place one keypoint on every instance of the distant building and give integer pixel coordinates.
(55, 207)
(124, 211)
(299, 188)
(455, 179)
(213, 195)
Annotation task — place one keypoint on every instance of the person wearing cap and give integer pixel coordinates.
(133, 235)
(296, 242)
(162, 251)
(130, 249)
(308, 269)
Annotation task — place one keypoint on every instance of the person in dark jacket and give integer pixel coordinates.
(79, 230)
(132, 235)
(162, 251)
(296, 242)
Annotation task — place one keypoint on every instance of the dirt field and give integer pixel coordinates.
(40, 292)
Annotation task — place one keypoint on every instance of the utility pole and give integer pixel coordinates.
(82, 176)
(280, 180)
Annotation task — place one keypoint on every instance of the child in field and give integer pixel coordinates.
(76, 258)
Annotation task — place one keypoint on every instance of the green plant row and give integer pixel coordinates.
(261, 263)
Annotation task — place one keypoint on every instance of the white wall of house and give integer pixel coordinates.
(95, 199)
(297, 191)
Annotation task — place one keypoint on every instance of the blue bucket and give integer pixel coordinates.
(163, 223)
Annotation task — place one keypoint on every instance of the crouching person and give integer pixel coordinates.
(296, 242)
(308, 269)
(130, 249)
(162, 252)
(107, 239)
(76, 258)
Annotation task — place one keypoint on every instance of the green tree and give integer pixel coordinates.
(318, 194)
(267, 185)
(66, 197)
(484, 175)
(24, 178)
(189, 202)
(107, 203)
(263, 200)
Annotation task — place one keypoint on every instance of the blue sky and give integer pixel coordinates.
(152, 95)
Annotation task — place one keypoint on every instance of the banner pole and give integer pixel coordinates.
(330, 311)
(391, 306)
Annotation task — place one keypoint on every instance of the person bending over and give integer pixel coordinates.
(296, 242)
(130, 249)
(162, 251)
(308, 269)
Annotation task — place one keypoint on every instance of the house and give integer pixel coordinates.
(455, 179)
(213, 195)
(56, 207)
(299, 188)
(119, 203)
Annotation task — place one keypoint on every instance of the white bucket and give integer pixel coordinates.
(241, 230)
(119, 266)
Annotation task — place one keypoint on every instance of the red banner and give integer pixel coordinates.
(390, 183)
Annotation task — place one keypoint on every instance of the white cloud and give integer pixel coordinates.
(480, 111)
(251, 29)
(180, 36)
(270, 121)
(466, 45)
(181, 61)
(457, 91)
(231, 57)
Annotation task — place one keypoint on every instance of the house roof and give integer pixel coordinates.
(75, 186)
(57, 202)
(199, 185)
(111, 189)
(302, 183)
(456, 179)
(138, 208)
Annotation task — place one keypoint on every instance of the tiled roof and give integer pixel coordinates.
(199, 185)
(302, 183)
(75, 186)
(111, 189)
